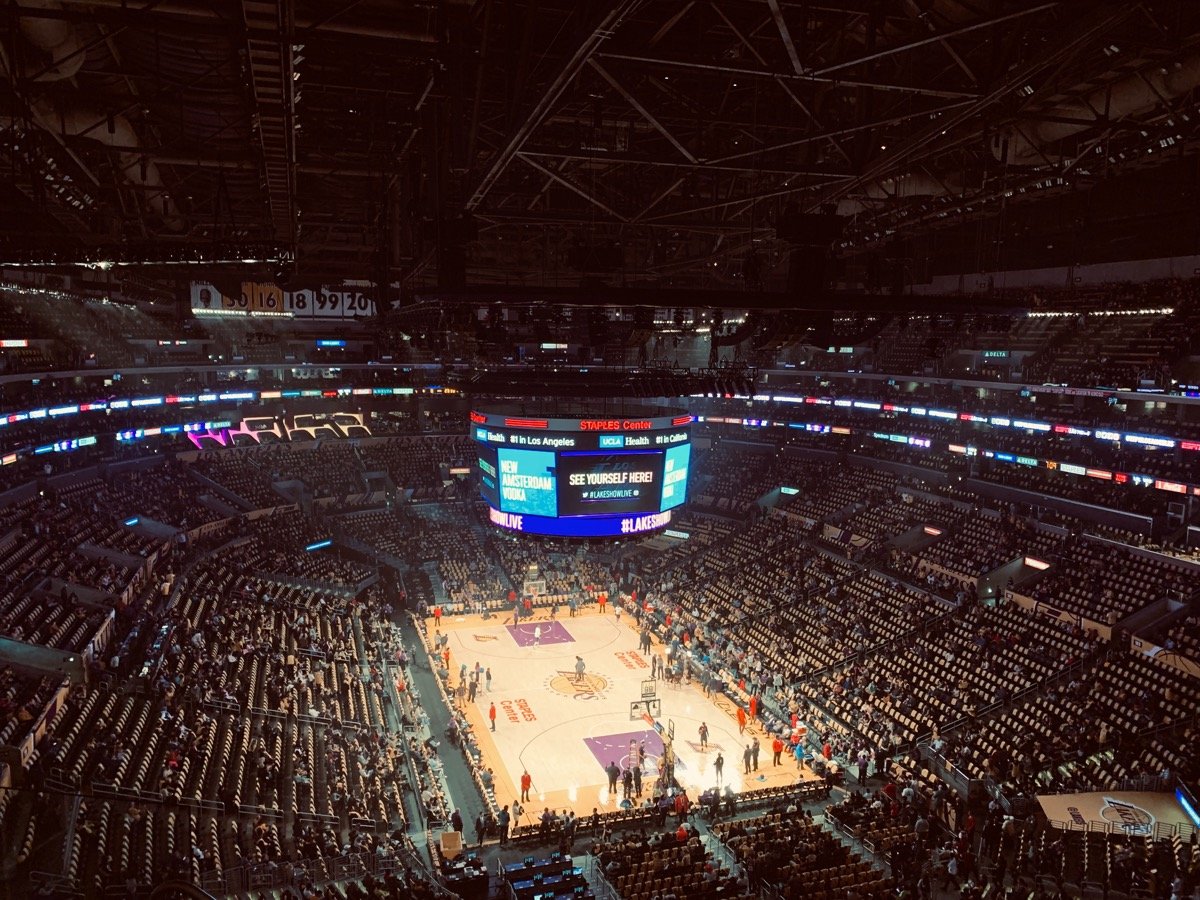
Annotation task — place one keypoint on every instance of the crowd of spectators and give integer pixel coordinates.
(796, 858)
(23, 696)
(388, 531)
(53, 553)
(239, 473)
(417, 463)
(979, 543)
(889, 516)
(257, 711)
(260, 670)
(329, 469)
(279, 545)
(670, 863)
(1094, 347)
(1106, 581)
(1130, 720)
(829, 487)
(452, 538)
(1184, 636)
(164, 493)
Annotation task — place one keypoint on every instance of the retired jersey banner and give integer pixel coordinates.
(1136, 813)
(265, 300)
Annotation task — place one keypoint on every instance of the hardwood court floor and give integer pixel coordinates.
(565, 731)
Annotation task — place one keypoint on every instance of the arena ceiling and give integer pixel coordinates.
(547, 143)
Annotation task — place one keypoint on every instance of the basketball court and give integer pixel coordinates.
(565, 728)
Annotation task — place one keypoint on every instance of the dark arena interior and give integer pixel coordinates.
(616, 449)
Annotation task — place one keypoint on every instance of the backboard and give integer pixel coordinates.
(641, 709)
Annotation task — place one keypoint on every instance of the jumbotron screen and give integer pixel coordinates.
(582, 477)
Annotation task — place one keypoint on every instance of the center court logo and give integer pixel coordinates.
(589, 687)
(1131, 819)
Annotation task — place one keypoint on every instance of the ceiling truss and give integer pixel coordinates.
(635, 141)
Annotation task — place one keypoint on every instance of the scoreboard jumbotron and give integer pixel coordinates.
(582, 477)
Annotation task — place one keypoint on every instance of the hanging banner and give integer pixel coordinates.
(267, 300)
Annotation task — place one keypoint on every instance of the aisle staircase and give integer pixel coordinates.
(435, 582)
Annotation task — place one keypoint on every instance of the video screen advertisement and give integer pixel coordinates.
(574, 477)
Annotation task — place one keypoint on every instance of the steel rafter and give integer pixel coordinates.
(553, 91)
(906, 155)
(842, 132)
(555, 176)
(703, 165)
(783, 85)
(935, 38)
(645, 113)
(664, 126)
(164, 12)
(751, 72)
(766, 195)
(269, 55)
(785, 35)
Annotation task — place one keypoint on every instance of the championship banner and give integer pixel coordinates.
(1135, 813)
